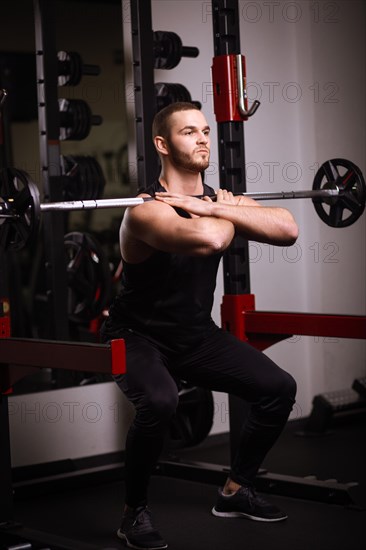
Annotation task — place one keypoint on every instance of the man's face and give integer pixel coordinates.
(189, 141)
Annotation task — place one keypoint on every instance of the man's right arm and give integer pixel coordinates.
(156, 226)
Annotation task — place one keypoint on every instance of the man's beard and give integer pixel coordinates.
(187, 162)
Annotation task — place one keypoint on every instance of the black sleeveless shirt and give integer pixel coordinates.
(167, 297)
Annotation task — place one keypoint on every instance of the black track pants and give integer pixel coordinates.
(220, 362)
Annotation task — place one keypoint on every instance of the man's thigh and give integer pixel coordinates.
(224, 363)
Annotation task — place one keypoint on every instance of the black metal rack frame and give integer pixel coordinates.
(49, 131)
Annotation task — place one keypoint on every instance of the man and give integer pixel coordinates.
(171, 248)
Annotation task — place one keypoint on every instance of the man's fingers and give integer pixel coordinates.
(223, 195)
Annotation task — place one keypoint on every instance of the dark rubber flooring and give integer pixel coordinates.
(182, 512)
(181, 509)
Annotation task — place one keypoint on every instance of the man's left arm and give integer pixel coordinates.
(271, 225)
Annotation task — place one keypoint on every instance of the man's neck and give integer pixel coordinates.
(186, 183)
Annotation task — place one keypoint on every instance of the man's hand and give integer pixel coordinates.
(192, 205)
(227, 197)
(203, 206)
(263, 224)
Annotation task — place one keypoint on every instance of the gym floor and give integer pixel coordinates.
(181, 509)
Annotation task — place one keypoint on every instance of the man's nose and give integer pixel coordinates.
(202, 137)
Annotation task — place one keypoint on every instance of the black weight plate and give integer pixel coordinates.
(65, 118)
(77, 178)
(89, 277)
(94, 177)
(75, 68)
(87, 178)
(88, 194)
(18, 190)
(173, 92)
(160, 54)
(76, 120)
(94, 186)
(194, 416)
(74, 128)
(167, 50)
(175, 50)
(72, 119)
(86, 122)
(69, 170)
(344, 209)
(83, 178)
(100, 178)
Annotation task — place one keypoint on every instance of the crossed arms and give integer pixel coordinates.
(155, 225)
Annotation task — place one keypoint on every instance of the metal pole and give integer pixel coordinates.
(6, 210)
(91, 204)
(124, 202)
(49, 144)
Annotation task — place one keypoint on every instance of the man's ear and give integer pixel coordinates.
(161, 145)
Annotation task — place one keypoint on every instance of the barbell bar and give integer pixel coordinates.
(134, 201)
(338, 186)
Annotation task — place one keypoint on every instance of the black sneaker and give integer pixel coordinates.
(138, 532)
(246, 503)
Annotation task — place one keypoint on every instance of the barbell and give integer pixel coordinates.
(338, 195)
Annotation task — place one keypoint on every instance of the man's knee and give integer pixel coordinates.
(289, 386)
(281, 397)
(157, 409)
(164, 405)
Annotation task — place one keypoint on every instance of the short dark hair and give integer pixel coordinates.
(160, 126)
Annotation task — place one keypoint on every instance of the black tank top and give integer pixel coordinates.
(167, 297)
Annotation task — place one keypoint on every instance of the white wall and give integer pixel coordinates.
(68, 423)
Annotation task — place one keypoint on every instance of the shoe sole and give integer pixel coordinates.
(243, 514)
(130, 545)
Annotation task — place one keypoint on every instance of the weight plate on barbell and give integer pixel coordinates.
(345, 208)
(22, 197)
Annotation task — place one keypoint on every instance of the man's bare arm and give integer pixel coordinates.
(156, 226)
(270, 225)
